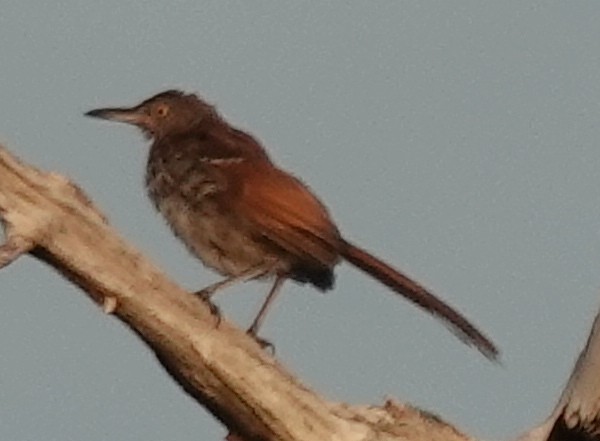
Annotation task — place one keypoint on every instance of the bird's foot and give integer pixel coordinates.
(205, 295)
(263, 343)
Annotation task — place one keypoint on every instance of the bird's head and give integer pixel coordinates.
(166, 113)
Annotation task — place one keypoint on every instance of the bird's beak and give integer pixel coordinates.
(132, 115)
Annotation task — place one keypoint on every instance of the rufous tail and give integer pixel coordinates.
(410, 289)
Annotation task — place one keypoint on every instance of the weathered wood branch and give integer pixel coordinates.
(576, 417)
(47, 216)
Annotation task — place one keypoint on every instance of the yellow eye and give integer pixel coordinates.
(162, 110)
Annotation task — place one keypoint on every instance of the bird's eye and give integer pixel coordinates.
(162, 110)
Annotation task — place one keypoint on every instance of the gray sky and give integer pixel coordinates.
(458, 140)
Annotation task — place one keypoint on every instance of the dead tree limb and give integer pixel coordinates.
(576, 416)
(225, 371)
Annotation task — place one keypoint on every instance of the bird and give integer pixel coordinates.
(245, 217)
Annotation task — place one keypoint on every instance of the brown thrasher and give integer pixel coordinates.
(246, 218)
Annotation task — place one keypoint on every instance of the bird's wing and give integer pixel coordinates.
(577, 415)
(287, 214)
(275, 204)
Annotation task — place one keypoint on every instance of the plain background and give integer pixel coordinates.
(457, 139)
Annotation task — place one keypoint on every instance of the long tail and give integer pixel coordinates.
(410, 289)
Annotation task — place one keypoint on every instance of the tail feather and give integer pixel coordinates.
(414, 292)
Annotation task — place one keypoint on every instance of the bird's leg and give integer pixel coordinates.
(262, 313)
(206, 293)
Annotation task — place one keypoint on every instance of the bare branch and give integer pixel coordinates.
(219, 366)
(577, 415)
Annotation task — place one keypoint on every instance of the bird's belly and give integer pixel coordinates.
(209, 235)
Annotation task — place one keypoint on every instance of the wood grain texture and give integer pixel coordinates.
(224, 370)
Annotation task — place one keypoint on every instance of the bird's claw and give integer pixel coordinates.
(205, 295)
(263, 343)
